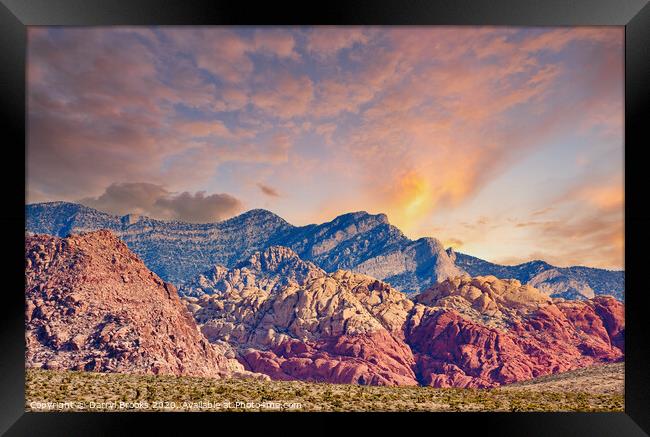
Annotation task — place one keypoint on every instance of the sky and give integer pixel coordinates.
(505, 143)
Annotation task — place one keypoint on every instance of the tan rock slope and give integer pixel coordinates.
(347, 327)
(91, 304)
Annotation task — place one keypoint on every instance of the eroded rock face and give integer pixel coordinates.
(602, 317)
(413, 267)
(484, 332)
(485, 299)
(376, 358)
(347, 327)
(253, 307)
(91, 304)
(557, 284)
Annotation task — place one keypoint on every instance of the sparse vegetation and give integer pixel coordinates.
(88, 391)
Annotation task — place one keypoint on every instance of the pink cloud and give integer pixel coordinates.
(448, 125)
(283, 95)
(419, 120)
(217, 50)
(100, 110)
(327, 41)
(277, 42)
(203, 129)
(268, 190)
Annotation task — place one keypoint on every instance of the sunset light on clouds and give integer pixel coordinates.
(505, 143)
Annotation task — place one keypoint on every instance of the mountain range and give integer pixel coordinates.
(364, 243)
(93, 305)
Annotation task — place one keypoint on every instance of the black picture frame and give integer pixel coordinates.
(16, 15)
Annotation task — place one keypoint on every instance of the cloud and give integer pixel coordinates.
(277, 42)
(131, 103)
(350, 90)
(606, 198)
(283, 95)
(454, 113)
(96, 113)
(220, 51)
(594, 241)
(415, 122)
(267, 190)
(125, 198)
(204, 129)
(226, 52)
(542, 211)
(199, 207)
(584, 227)
(155, 201)
(327, 41)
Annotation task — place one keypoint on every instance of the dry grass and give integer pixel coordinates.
(86, 391)
(605, 379)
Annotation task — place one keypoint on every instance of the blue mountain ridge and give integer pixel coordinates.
(358, 241)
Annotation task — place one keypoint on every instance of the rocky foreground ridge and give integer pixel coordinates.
(91, 304)
(290, 319)
(361, 242)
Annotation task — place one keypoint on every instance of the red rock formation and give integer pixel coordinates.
(612, 313)
(454, 351)
(345, 327)
(366, 359)
(91, 304)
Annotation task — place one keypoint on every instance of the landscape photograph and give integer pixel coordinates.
(324, 218)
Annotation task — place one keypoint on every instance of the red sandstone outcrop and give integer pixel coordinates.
(484, 332)
(91, 304)
(368, 359)
(350, 328)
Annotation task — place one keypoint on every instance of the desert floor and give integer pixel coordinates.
(592, 389)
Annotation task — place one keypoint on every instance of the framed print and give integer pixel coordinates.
(286, 214)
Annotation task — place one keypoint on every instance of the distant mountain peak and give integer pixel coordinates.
(432, 242)
(535, 262)
(58, 204)
(258, 214)
(566, 282)
(361, 215)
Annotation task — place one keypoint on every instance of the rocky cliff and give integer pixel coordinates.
(91, 304)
